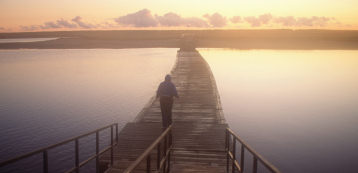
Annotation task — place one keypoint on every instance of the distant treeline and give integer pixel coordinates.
(243, 39)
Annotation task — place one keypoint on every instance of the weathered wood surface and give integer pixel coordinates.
(198, 123)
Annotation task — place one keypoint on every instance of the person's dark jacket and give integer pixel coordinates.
(167, 88)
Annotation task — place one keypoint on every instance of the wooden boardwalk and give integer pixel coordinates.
(198, 123)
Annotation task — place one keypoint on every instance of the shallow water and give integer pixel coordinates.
(47, 96)
(299, 109)
(24, 40)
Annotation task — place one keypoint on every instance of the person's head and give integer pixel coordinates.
(168, 78)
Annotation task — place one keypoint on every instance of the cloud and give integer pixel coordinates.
(172, 19)
(195, 22)
(287, 21)
(258, 21)
(236, 19)
(50, 25)
(30, 28)
(216, 20)
(303, 21)
(142, 18)
(61, 24)
(66, 24)
(81, 24)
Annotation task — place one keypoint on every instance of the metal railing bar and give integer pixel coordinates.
(90, 158)
(254, 167)
(199, 150)
(230, 155)
(94, 156)
(97, 151)
(233, 155)
(148, 164)
(111, 145)
(227, 150)
(236, 163)
(165, 145)
(45, 161)
(77, 155)
(116, 132)
(162, 161)
(267, 164)
(104, 150)
(148, 150)
(71, 170)
(87, 160)
(158, 156)
(169, 160)
(6, 162)
(242, 160)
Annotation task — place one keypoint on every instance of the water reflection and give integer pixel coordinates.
(47, 96)
(298, 108)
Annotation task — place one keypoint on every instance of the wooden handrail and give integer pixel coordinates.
(147, 152)
(256, 155)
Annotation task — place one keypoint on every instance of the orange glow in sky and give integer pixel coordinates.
(19, 15)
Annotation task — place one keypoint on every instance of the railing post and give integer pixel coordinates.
(227, 149)
(170, 146)
(148, 164)
(97, 151)
(111, 145)
(77, 157)
(165, 153)
(169, 161)
(117, 133)
(165, 146)
(254, 169)
(158, 156)
(226, 140)
(45, 162)
(242, 163)
(233, 154)
(170, 138)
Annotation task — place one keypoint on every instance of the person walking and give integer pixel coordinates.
(166, 91)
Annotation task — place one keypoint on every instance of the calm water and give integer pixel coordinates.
(299, 109)
(47, 96)
(24, 40)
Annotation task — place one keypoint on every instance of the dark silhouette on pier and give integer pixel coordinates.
(166, 91)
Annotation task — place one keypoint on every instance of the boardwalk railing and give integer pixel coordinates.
(231, 155)
(78, 164)
(163, 162)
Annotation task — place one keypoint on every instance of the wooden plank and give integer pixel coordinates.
(198, 123)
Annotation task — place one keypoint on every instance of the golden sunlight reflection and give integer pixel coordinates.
(291, 104)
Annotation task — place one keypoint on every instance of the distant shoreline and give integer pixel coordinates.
(236, 39)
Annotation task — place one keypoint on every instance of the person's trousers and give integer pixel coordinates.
(166, 104)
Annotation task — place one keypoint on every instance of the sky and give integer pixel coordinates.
(42, 15)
